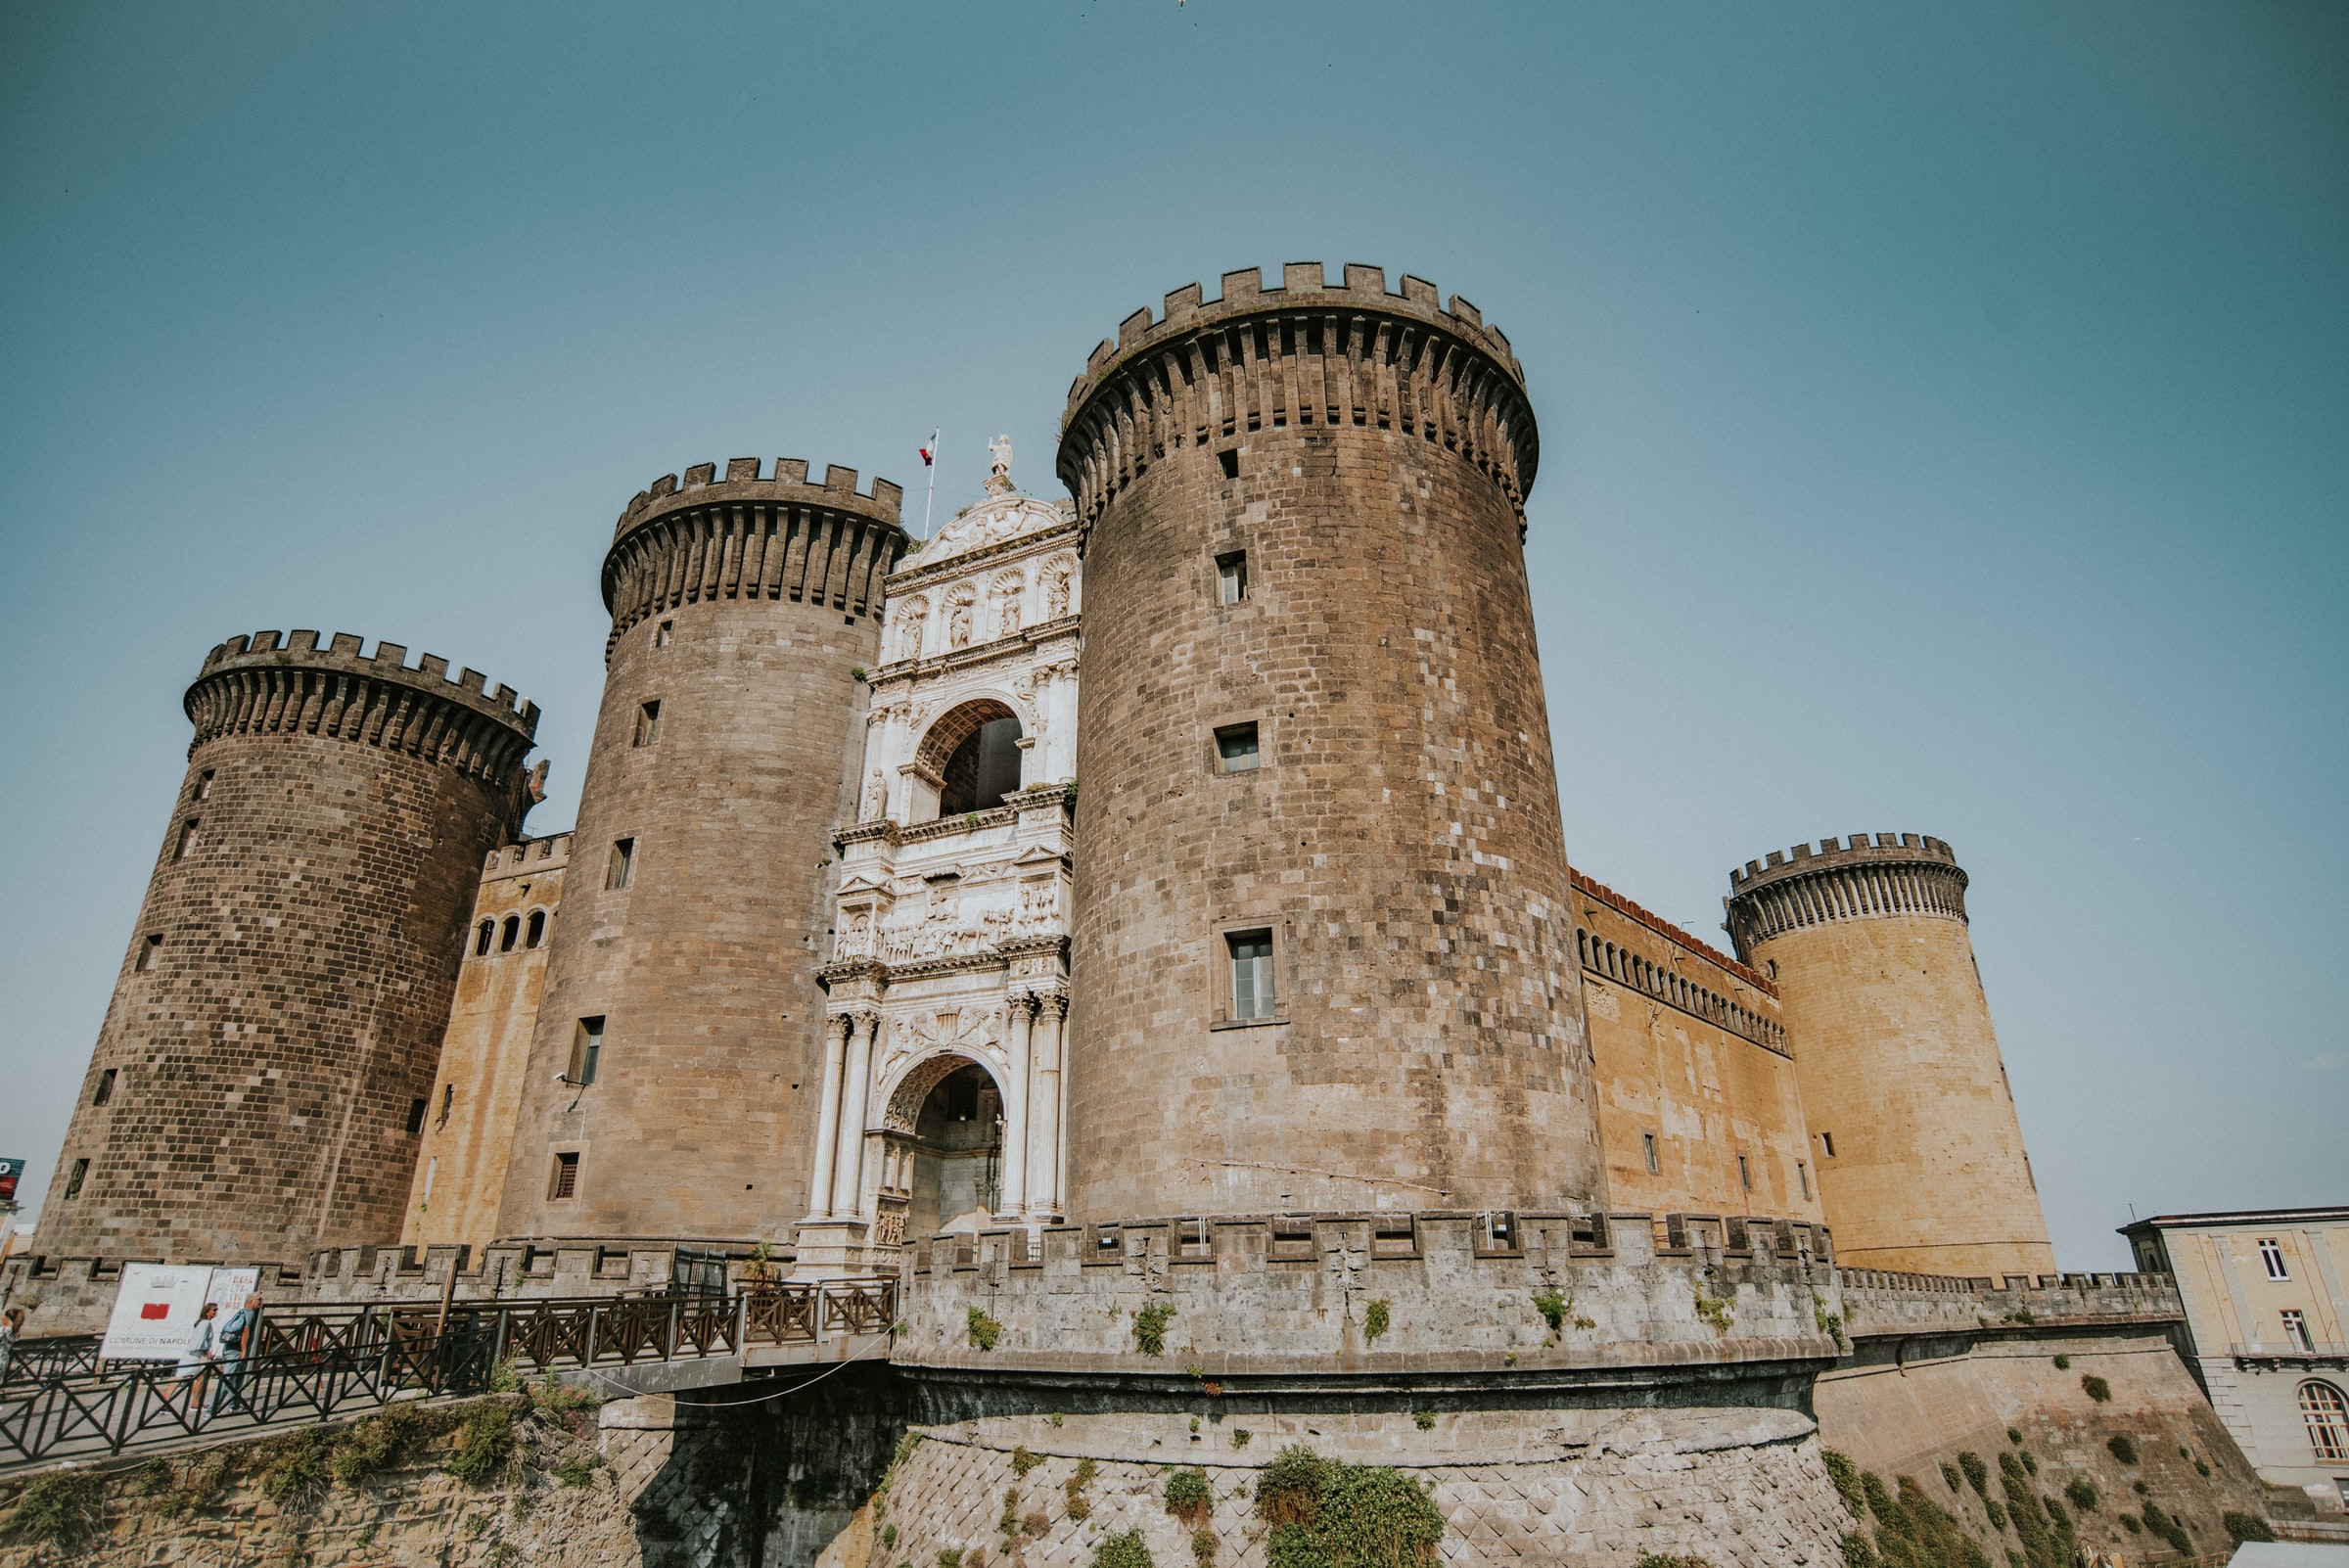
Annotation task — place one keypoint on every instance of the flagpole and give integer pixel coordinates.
(932, 497)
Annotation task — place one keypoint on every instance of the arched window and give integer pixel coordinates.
(513, 931)
(974, 752)
(2328, 1416)
(482, 938)
(538, 929)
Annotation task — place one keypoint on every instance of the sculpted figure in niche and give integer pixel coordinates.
(1007, 604)
(912, 618)
(958, 622)
(876, 796)
(856, 940)
(1056, 590)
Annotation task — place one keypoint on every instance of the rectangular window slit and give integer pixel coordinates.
(586, 1050)
(1648, 1146)
(648, 723)
(1235, 747)
(147, 952)
(106, 1086)
(623, 864)
(1251, 957)
(567, 1176)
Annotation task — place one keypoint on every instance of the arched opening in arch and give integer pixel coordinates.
(484, 936)
(944, 1132)
(2326, 1414)
(537, 932)
(972, 754)
(513, 930)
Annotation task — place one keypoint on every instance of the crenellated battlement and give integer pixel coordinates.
(1303, 355)
(530, 857)
(786, 482)
(272, 683)
(1896, 874)
(746, 538)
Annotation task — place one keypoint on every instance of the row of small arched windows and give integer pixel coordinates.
(1620, 963)
(490, 933)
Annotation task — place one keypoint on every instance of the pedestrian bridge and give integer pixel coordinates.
(60, 1401)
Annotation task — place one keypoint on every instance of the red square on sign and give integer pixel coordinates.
(155, 1308)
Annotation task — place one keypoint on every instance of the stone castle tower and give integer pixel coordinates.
(1920, 1154)
(1323, 955)
(672, 1076)
(259, 1081)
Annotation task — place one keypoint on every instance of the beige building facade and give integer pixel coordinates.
(469, 1121)
(2265, 1309)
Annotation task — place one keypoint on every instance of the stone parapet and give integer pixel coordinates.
(1427, 1297)
(1899, 874)
(1878, 1302)
(76, 1295)
(505, 1270)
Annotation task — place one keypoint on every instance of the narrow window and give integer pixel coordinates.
(1802, 1173)
(538, 929)
(76, 1177)
(1827, 1144)
(2271, 1253)
(416, 1110)
(586, 1048)
(648, 723)
(623, 864)
(1235, 747)
(448, 1103)
(513, 933)
(204, 786)
(1231, 577)
(1251, 954)
(482, 938)
(106, 1086)
(187, 839)
(2327, 1414)
(2295, 1325)
(148, 950)
(1745, 1174)
(1648, 1146)
(567, 1176)
(1231, 464)
(664, 633)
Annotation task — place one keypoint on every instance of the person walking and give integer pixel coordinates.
(240, 1337)
(11, 1329)
(195, 1357)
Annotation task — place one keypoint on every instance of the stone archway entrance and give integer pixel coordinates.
(945, 1128)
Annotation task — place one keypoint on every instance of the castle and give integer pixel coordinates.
(1173, 873)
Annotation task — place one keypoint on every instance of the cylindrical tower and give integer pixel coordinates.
(1322, 958)
(258, 1084)
(1920, 1158)
(673, 1085)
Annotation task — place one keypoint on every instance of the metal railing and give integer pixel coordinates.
(313, 1363)
(2286, 1352)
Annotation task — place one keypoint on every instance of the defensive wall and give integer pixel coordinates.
(1697, 1104)
(257, 1085)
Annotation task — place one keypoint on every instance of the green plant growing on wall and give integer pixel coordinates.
(2169, 1529)
(1150, 1327)
(906, 1444)
(1424, 1420)
(1080, 1507)
(2131, 1523)
(1240, 1436)
(2014, 1434)
(2063, 1363)
(2242, 1527)
(1553, 1306)
(295, 1468)
(1831, 1325)
(485, 1444)
(1950, 1475)
(949, 1557)
(1977, 1474)
(2030, 1460)
(1846, 1476)
(577, 1470)
(1714, 1309)
(1374, 1322)
(1008, 1522)
(1023, 1461)
(889, 1537)
(2083, 1493)
(1857, 1552)
(2095, 1388)
(985, 1330)
(1657, 1559)
(1203, 1547)
(1127, 1550)
(56, 1509)
(1189, 1497)
(1325, 1514)
(1997, 1514)
(2123, 1448)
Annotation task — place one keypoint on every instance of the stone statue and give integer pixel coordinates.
(958, 624)
(1007, 604)
(876, 798)
(912, 618)
(1056, 591)
(998, 481)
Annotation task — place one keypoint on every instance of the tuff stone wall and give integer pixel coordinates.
(1740, 1488)
(1401, 840)
(745, 606)
(1898, 1063)
(1697, 1104)
(279, 1015)
(469, 1119)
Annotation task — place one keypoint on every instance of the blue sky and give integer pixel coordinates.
(1945, 415)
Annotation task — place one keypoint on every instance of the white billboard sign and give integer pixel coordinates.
(157, 1305)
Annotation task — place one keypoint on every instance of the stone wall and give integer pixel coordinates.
(1742, 1487)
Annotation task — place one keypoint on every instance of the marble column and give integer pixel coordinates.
(847, 1196)
(827, 1117)
(1012, 1200)
(1044, 1120)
